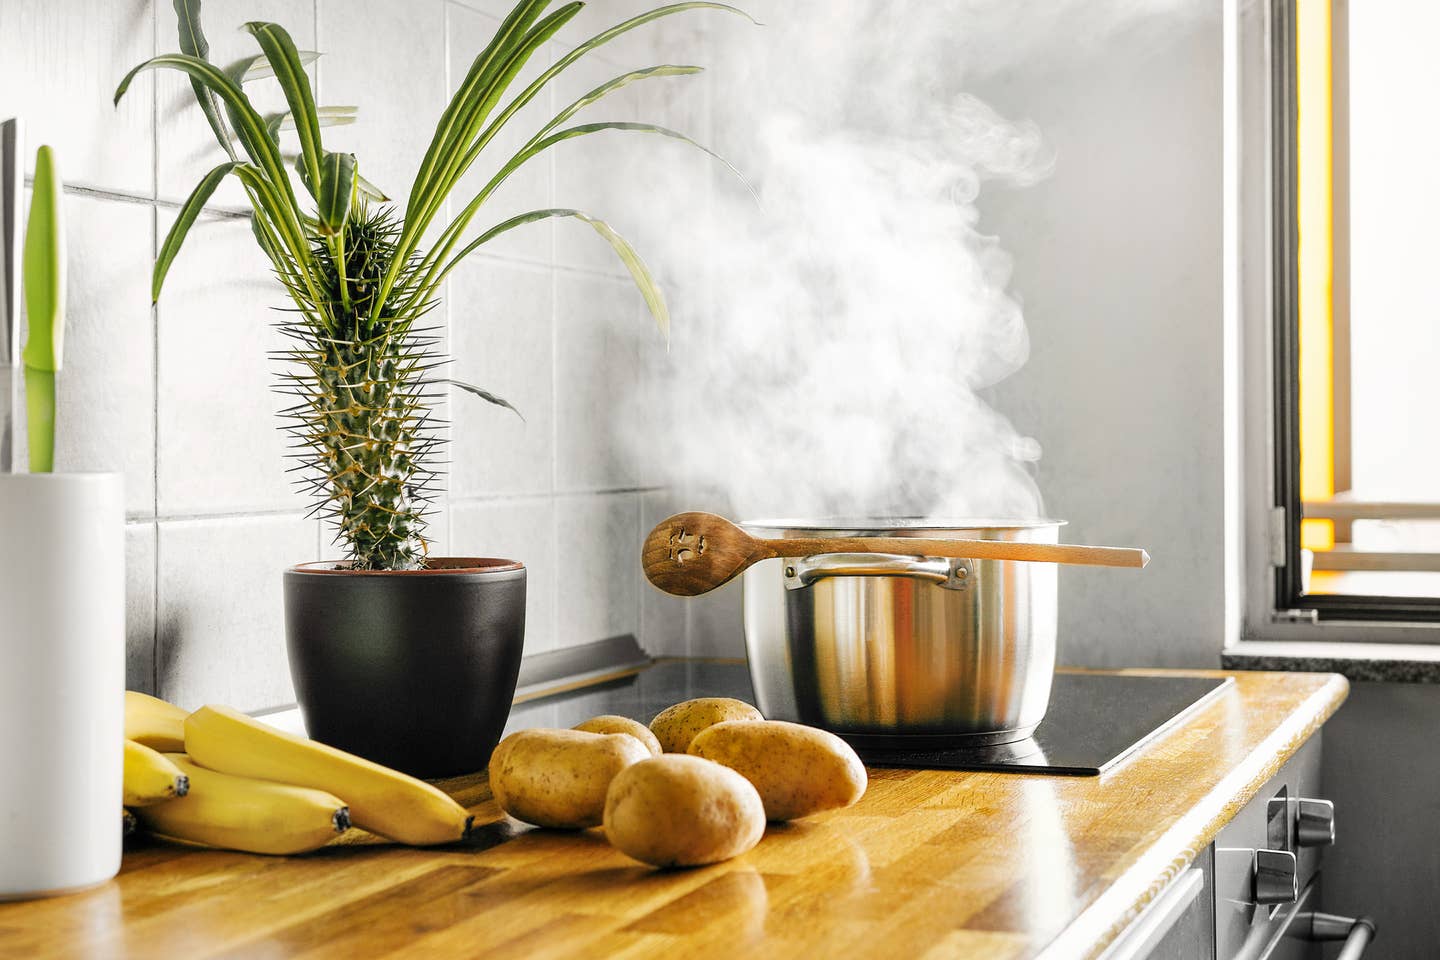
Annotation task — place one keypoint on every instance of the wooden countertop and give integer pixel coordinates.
(929, 864)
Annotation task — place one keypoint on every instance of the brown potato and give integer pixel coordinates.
(610, 723)
(676, 726)
(797, 770)
(558, 778)
(681, 811)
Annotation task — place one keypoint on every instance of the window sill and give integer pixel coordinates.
(1358, 662)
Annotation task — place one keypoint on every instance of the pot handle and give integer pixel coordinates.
(950, 574)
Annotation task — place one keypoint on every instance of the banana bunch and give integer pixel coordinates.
(219, 778)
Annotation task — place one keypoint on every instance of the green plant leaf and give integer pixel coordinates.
(290, 74)
(487, 396)
(189, 211)
(639, 272)
(370, 190)
(472, 89)
(258, 67)
(610, 86)
(193, 43)
(339, 116)
(261, 149)
(337, 187)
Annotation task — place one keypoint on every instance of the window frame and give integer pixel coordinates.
(1264, 230)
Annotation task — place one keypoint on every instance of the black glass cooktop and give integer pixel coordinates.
(1094, 723)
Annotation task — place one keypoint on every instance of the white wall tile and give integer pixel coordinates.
(140, 606)
(186, 144)
(106, 391)
(597, 343)
(662, 616)
(60, 63)
(716, 625)
(521, 530)
(221, 624)
(388, 59)
(599, 552)
(530, 186)
(501, 316)
(220, 449)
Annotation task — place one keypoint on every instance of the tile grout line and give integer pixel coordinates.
(154, 369)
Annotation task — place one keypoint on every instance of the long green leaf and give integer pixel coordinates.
(258, 67)
(280, 50)
(463, 149)
(251, 129)
(337, 187)
(487, 396)
(193, 43)
(370, 190)
(649, 289)
(486, 63)
(458, 225)
(189, 210)
(599, 40)
(451, 234)
(337, 116)
(610, 86)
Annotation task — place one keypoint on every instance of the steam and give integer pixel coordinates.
(834, 340)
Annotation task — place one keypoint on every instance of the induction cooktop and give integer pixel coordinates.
(1094, 723)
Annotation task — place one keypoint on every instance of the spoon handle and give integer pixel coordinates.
(965, 549)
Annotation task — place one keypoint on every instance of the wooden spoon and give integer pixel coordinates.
(693, 553)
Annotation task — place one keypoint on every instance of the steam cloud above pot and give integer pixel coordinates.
(835, 334)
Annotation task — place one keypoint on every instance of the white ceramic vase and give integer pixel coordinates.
(62, 680)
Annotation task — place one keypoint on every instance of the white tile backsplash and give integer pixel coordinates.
(221, 628)
(521, 530)
(181, 396)
(597, 344)
(599, 552)
(106, 391)
(502, 328)
(60, 62)
(220, 449)
(140, 606)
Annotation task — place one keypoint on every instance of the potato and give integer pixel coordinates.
(679, 811)
(609, 723)
(558, 778)
(676, 726)
(797, 770)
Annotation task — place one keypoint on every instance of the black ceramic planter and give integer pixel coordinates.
(413, 669)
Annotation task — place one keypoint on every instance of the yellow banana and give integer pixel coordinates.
(150, 778)
(239, 813)
(381, 800)
(154, 723)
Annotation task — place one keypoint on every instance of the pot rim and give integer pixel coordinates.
(439, 566)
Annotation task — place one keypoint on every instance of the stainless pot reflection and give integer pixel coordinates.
(902, 651)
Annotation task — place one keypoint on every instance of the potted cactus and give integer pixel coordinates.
(399, 656)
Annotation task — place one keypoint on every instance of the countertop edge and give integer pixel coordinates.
(1172, 852)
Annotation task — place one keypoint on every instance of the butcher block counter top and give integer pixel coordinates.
(930, 863)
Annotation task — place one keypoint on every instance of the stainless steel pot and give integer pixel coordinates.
(891, 650)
